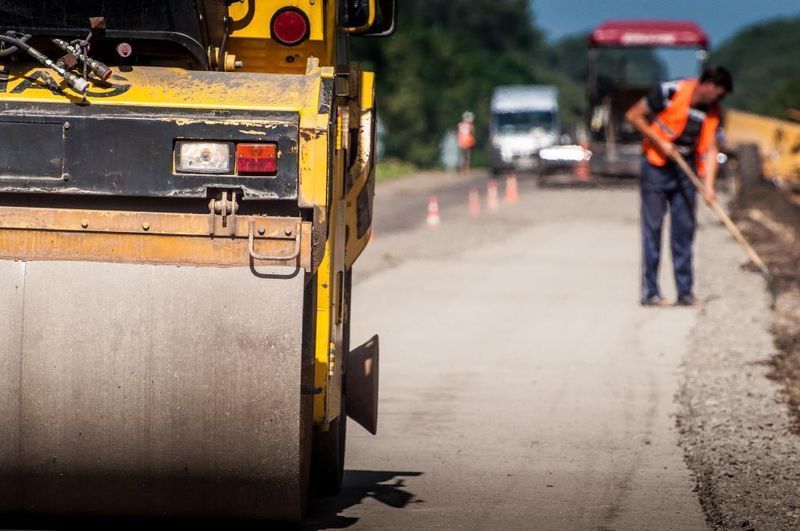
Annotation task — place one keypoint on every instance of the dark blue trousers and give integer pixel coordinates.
(665, 188)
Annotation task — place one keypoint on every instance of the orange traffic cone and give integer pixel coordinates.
(512, 192)
(582, 171)
(492, 201)
(474, 203)
(433, 219)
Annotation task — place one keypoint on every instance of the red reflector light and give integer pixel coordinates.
(290, 26)
(256, 159)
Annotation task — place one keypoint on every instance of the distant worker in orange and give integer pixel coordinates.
(676, 118)
(465, 135)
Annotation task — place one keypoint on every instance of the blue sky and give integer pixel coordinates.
(720, 18)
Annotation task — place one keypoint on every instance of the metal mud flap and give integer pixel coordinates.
(362, 385)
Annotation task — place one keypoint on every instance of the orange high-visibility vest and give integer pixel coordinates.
(466, 135)
(670, 123)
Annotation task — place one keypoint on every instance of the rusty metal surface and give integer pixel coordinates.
(130, 222)
(151, 390)
(147, 237)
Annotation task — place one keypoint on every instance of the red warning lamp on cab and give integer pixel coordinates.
(290, 26)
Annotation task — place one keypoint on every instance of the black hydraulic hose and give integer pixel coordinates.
(7, 52)
(77, 83)
(224, 44)
(221, 56)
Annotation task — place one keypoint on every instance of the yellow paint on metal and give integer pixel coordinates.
(330, 295)
(251, 40)
(314, 163)
(251, 18)
(176, 88)
(362, 173)
(322, 343)
(778, 141)
(329, 351)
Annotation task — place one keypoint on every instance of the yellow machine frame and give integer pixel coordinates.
(777, 140)
(328, 183)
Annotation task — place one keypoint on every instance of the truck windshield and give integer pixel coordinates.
(629, 67)
(524, 121)
(643, 67)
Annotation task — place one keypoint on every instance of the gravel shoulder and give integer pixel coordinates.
(736, 430)
(772, 222)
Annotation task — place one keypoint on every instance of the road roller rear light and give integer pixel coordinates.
(256, 159)
(204, 157)
(290, 26)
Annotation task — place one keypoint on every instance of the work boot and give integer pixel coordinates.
(654, 300)
(688, 300)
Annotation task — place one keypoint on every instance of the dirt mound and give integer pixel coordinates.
(771, 221)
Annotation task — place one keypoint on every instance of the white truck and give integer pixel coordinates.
(524, 120)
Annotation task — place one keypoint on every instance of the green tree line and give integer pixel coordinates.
(446, 58)
(448, 55)
(764, 59)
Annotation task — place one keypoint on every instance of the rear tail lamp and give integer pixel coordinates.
(290, 26)
(256, 159)
(204, 157)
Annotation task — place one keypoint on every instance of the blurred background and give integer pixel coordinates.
(451, 54)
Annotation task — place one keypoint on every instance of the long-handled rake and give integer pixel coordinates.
(726, 220)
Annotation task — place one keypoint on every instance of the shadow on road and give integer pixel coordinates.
(386, 487)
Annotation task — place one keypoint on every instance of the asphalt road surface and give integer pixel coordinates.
(522, 386)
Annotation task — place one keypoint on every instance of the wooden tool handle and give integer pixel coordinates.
(723, 216)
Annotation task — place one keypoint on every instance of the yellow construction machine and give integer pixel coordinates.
(766, 146)
(185, 186)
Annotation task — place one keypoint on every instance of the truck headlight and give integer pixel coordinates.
(204, 157)
(565, 154)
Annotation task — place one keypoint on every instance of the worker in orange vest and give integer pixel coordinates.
(677, 117)
(465, 135)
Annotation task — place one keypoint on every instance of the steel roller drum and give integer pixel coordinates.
(152, 391)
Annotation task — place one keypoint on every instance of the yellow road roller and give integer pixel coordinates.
(185, 186)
